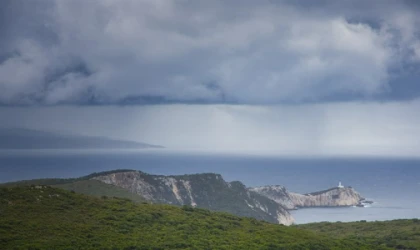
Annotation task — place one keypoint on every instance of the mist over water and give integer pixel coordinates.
(394, 184)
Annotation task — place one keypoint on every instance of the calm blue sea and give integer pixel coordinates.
(394, 184)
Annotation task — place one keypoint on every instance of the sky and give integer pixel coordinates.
(317, 77)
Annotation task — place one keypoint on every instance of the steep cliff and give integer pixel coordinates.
(344, 196)
(200, 190)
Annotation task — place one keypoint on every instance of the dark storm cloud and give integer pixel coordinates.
(247, 52)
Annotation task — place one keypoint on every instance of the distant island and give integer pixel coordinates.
(18, 138)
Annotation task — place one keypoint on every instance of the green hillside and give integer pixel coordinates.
(59, 181)
(397, 234)
(83, 185)
(49, 218)
(99, 189)
(45, 182)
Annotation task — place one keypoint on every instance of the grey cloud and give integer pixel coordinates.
(248, 52)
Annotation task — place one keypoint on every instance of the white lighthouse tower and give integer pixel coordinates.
(339, 185)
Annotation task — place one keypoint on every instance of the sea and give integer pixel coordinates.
(392, 183)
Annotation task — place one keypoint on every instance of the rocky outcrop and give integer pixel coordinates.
(334, 197)
(276, 193)
(208, 191)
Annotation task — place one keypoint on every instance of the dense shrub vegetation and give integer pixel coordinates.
(99, 189)
(397, 234)
(38, 217)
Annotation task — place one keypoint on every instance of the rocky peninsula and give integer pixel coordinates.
(334, 197)
(211, 191)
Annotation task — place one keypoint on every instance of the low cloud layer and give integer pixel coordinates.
(339, 129)
(179, 51)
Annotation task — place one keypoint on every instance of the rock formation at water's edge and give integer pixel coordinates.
(333, 197)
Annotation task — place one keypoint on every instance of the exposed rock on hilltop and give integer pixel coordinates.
(200, 190)
(334, 197)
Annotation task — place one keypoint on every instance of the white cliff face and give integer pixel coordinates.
(139, 183)
(131, 181)
(173, 185)
(285, 219)
(280, 213)
(187, 186)
(329, 198)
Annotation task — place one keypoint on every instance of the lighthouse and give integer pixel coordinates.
(339, 185)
